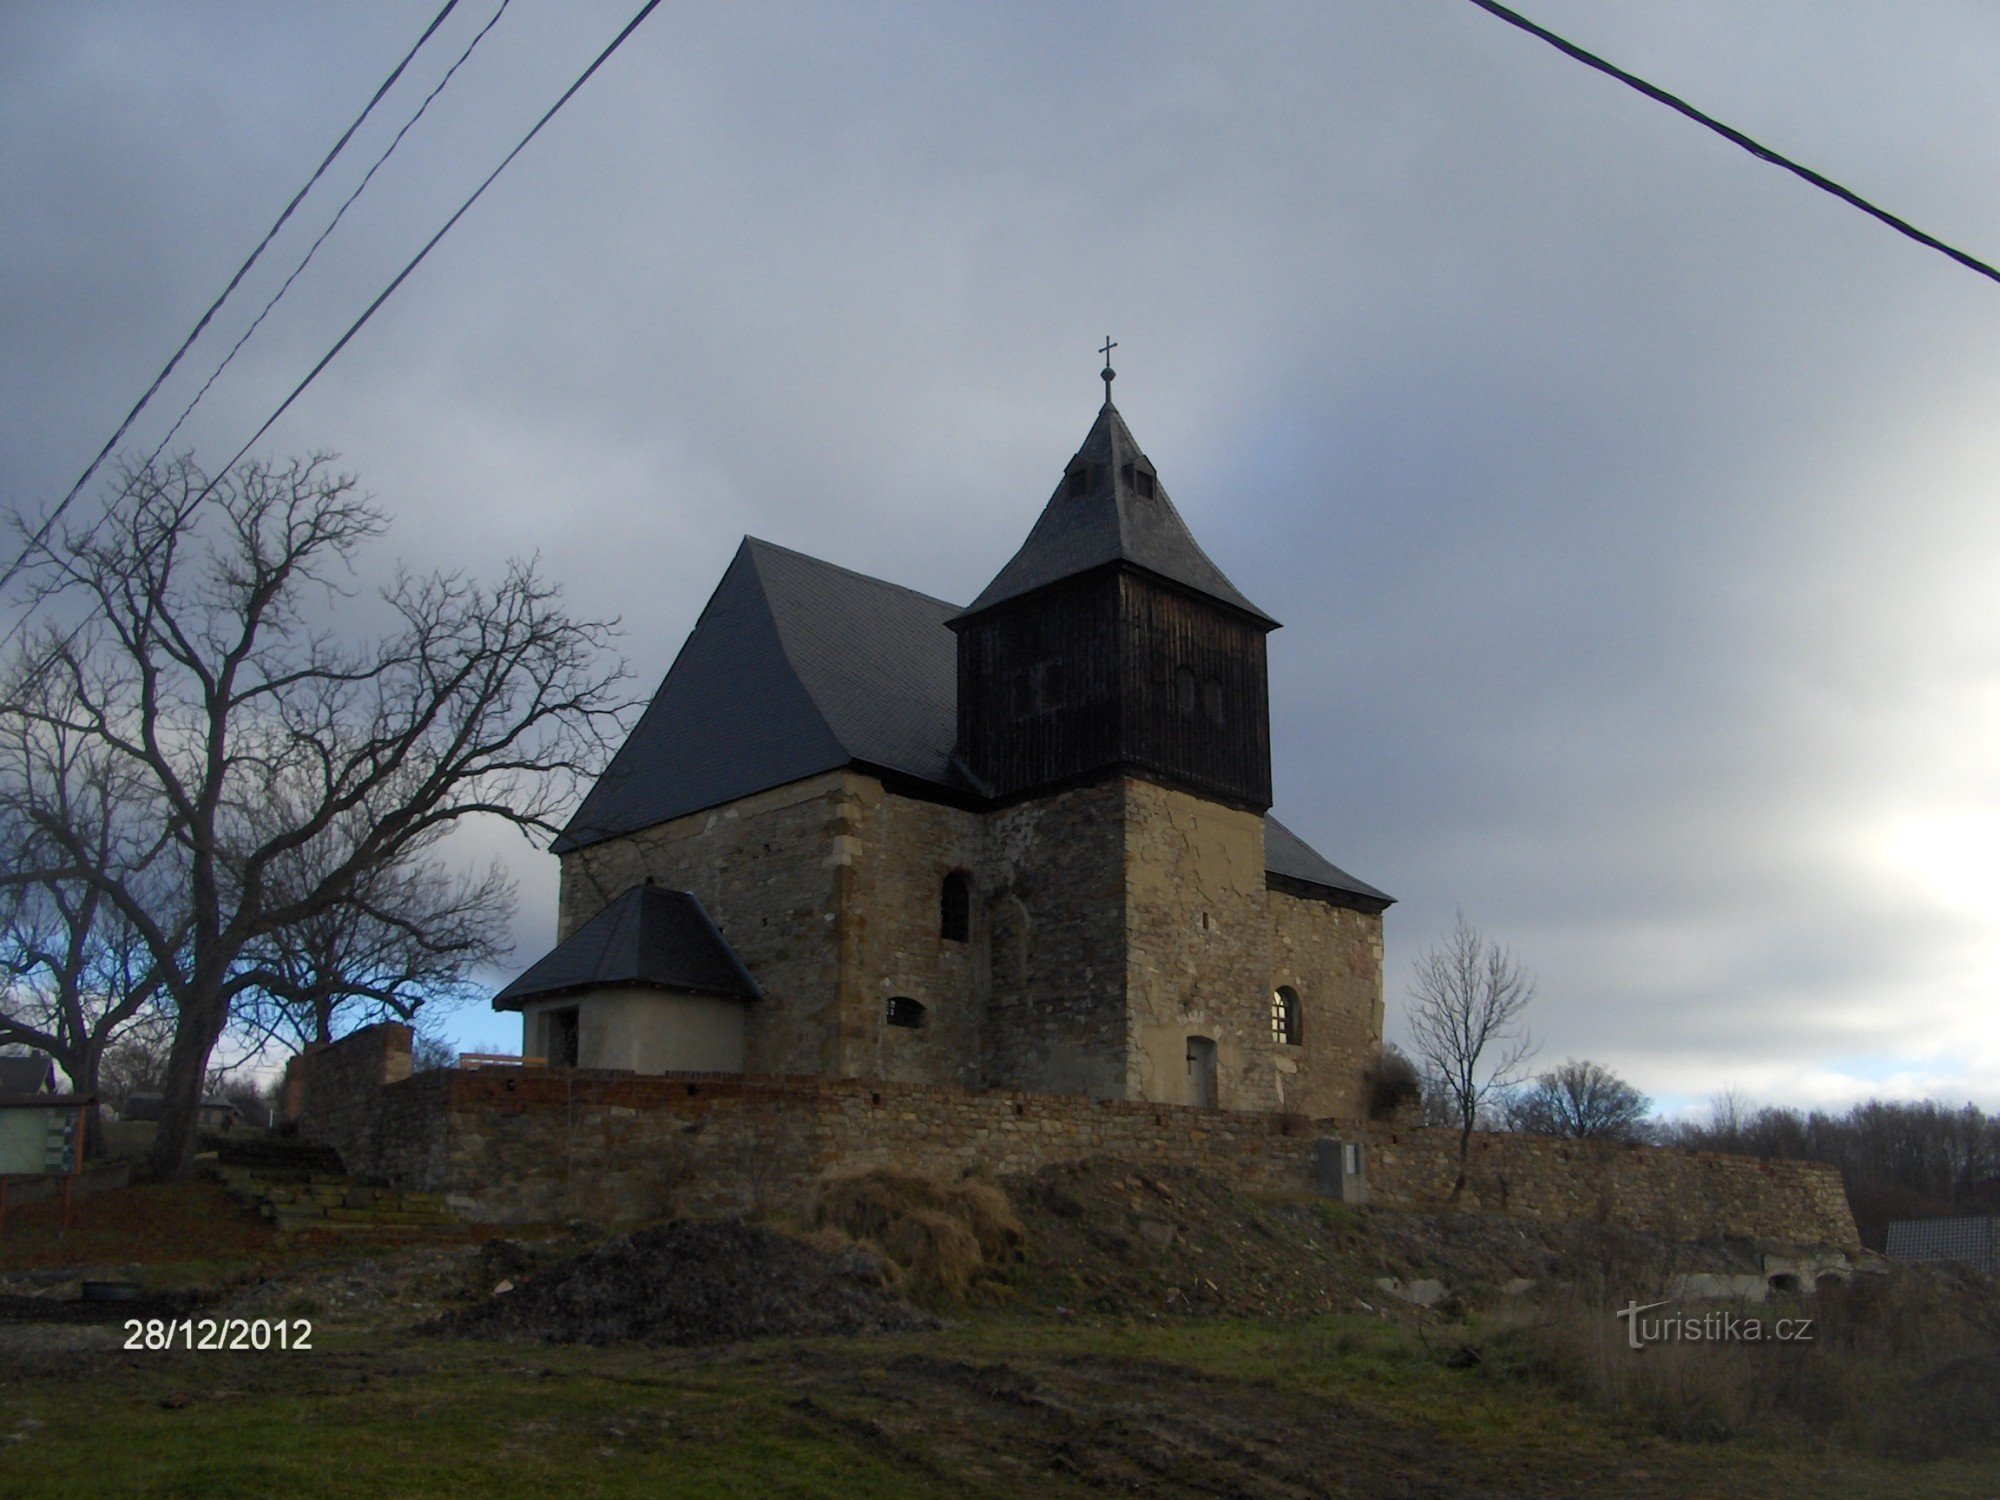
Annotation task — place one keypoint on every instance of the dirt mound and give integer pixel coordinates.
(694, 1283)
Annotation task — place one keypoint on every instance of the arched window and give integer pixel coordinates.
(905, 1012)
(1212, 699)
(1285, 1028)
(955, 909)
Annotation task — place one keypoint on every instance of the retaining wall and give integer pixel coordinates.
(542, 1145)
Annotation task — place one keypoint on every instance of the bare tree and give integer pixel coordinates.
(1580, 1101)
(1467, 997)
(179, 638)
(76, 974)
(409, 936)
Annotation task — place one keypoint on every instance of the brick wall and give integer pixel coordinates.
(535, 1146)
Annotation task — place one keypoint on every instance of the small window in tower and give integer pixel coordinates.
(1187, 692)
(905, 1012)
(955, 909)
(1142, 482)
(1079, 479)
(1211, 699)
(1285, 1016)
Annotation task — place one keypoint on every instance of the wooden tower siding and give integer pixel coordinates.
(1081, 679)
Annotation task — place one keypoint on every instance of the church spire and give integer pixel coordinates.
(1111, 508)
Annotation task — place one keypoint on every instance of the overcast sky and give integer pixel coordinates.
(1628, 504)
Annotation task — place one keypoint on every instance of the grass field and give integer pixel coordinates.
(990, 1407)
(1017, 1395)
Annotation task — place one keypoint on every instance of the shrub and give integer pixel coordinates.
(937, 1237)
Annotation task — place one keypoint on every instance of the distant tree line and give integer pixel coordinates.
(1899, 1160)
(1471, 1047)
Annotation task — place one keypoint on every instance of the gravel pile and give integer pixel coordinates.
(693, 1283)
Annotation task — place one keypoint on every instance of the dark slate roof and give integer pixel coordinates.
(795, 667)
(1110, 521)
(1969, 1239)
(26, 1075)
(1291, 857)
(648, 936)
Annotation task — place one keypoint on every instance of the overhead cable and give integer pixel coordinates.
(42, 531)
(1737, 137)
(431, 244)
(332, 224)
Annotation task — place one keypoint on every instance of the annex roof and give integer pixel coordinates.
(649, 937)
(1111, 508)
(1290, 857)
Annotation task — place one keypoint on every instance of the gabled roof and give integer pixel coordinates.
(26, 1075)
(1290, 857)
(648, 937)
(1110, 520)
(795, 667)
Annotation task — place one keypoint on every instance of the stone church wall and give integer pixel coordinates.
(1053, 883)
(1332, 956)
(771, 870)
(895, 875)
(1200, 948)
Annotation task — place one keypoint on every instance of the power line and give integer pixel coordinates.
(431, 244)
(332, 225)
(42, 531)
(1737, 137)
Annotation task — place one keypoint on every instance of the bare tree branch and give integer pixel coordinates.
(292, 782)
(1467, 999)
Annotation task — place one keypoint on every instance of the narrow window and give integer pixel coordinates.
(559, 1042)
(955, 909)
(1187, 691)
(905, 1012)
(1285, 1016)
(1051, 695)
(1212, 699)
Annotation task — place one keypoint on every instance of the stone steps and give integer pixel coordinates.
(321, 1202)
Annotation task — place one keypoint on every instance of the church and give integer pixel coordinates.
(1023, 843)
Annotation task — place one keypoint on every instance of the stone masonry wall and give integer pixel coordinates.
(772, 870)
(1332, 957)
(1200, 939)
(357, 1095)
(1688, 1195)
(1053, 883)
(902, 851)
(537, 1146)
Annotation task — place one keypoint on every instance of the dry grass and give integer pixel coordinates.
(937, 1238)
(1902, 1366)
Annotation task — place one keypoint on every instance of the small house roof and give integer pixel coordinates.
(27, 1075)
(648, 937)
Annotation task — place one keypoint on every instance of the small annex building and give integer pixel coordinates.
(1023, 843)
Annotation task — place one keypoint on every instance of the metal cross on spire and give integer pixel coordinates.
(1109, 373)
